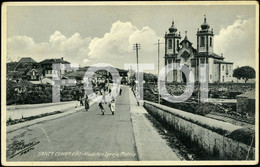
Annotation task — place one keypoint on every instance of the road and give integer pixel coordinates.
(82, 136)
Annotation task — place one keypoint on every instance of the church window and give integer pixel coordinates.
(202, 41)
(210, 41)
(175, 75)
(178, 43)
(193, 64)
(202, 60)
(170, 44)
(223, 68)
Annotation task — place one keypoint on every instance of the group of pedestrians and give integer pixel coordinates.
(84, 101)
(111, 105)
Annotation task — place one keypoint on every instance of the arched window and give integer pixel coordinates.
(170, 44)
(187, 44)
(210, 41)
(202, 41)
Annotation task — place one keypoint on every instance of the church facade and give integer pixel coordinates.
(182, 51)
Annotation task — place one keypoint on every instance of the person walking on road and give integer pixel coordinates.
(86, 103)
(101, 108)
(120, 92)
(77, 97)
(81, 99)
(112, 106)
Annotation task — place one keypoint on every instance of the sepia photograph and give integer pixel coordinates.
(130, 83)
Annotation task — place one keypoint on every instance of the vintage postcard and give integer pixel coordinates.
(130, 83)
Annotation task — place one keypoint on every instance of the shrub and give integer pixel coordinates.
(206, 108)
(243, 135)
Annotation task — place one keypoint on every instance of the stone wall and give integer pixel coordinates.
(208, 134)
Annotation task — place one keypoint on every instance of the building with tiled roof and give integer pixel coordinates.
(53, 61)
(184, 53)
(27, 60)
(47, 66)
(23, 63)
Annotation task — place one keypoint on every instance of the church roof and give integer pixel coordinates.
(213, 55)
(222, 62)
(185, 40)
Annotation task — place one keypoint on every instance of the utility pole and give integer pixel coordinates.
(137, 47)
(158, 66)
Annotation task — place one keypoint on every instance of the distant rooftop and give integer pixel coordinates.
(51, 61)
(27, 60)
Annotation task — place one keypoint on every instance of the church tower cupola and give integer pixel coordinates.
(205, 25)
(172, 41)
(205, 38)
(172, 29)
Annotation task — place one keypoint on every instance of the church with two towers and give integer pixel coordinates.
(182, 51)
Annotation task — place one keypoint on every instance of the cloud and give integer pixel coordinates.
(116, 46)
(237, 42)
(73, 49)
(57, 38)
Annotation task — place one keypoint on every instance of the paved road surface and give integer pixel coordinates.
(83, 136)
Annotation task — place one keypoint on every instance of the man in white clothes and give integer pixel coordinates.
(112, 106)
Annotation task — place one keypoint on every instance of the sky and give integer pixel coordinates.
(105, 34)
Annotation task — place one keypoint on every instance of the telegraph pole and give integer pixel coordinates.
(137, 47)
(158, 43)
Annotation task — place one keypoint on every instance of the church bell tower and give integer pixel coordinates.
(172, 46)
(205, 38)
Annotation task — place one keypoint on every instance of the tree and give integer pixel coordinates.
(245, 72)
(148, 77)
